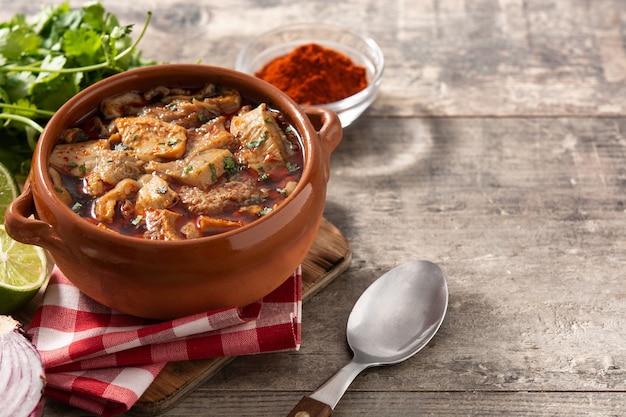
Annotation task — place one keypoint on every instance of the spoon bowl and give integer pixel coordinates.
(392, 320)
(398, 314)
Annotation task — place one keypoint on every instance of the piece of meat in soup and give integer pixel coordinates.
(264, 144)
(152, 139)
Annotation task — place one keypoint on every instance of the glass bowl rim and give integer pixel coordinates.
(375, 58)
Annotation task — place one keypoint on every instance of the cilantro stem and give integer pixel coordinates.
(86, 68)
(22, 119)
(27, 100)
(27, 109)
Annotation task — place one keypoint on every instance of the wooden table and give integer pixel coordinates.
(497, 149)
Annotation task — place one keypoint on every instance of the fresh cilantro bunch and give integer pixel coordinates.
(45, 62)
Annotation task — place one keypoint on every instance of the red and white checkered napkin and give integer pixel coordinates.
(102, 361)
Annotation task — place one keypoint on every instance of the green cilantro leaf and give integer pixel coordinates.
(46, 61)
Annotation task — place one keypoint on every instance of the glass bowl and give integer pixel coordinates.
(362, 50)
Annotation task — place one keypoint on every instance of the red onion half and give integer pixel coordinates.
(21, 372)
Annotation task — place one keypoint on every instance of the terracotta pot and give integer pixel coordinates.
(168, 279)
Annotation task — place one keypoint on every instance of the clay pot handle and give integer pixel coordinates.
(21, 225)
(327, 124)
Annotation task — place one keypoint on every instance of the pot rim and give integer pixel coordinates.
(74, 110)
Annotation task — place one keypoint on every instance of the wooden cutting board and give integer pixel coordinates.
(327, 259)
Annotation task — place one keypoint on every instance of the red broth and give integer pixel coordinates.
(175, 164)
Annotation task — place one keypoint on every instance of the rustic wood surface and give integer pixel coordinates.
(497, 149)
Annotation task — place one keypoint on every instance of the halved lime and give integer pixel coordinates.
(23, 270)
(8, 190)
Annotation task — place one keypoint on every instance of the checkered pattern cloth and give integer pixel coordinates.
(102, 361)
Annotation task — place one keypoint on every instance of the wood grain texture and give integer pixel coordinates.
(497, 148)
(442, 57)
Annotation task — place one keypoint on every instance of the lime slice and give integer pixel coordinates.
(23, 270)
(8, 190)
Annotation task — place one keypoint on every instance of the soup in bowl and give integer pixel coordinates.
(174, 163)
(175, 189)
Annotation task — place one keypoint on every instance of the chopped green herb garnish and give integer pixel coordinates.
(172, 142)
(83, 169)
(187, 169)
(213, 172)
(136, 221)
(76, 207)
(264, 212)
(230, 166)
(292, 167)
(82, 136)
(256, 143)
(264, 176)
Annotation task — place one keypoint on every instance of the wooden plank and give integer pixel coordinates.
(443, 58)
(525, 216)
(527, 219)
(427, 404)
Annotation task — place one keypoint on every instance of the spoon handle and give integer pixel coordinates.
(309, 407)
(324, 399)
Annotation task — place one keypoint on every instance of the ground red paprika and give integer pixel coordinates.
(313, 74)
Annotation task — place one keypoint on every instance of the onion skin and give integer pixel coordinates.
(22, 377)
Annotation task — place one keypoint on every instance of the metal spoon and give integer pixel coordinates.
(392, 320)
